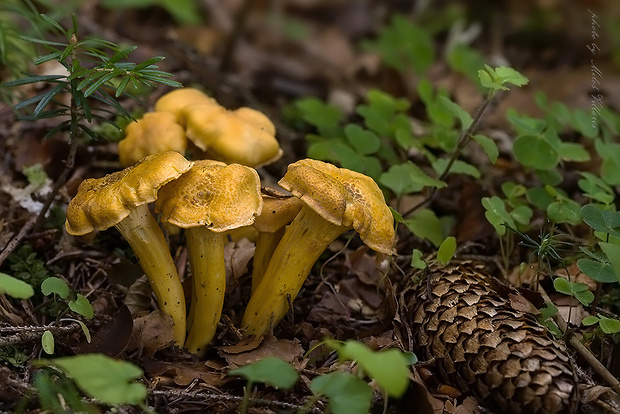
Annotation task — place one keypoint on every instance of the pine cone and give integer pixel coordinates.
(477, 342)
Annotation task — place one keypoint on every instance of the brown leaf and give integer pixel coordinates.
(184, 373)
(151, 333)
(238, 255)
(290, 351)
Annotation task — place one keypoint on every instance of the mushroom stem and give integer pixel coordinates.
(266, 244)
(147, 241)
(303, 242)
(206, 257)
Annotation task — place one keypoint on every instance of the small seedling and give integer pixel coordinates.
(108, 380)
(272, 371)
(607, 325)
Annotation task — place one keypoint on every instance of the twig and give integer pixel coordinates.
(227, 397)
(572, 339)
(33, 333)
(464, 139)
(35, 222)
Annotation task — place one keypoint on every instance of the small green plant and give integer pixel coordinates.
(608, 326)
(107, 380)
(73, 301)
(26, 266)
(15, 287)
(272, 371)
(346, 393)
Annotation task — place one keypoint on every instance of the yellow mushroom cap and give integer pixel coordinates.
(154, 132)
(278, 211)
(344, 198)
(213, 194)
(176, 100)
(103, 202)
(244, 136)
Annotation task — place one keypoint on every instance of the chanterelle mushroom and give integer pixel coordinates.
(336, 200)
(208, 200)
(243, 136)
(174, 102)
(121, 200)
(278, 211)
(154, 132)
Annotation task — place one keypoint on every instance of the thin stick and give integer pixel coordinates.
(464, 139)
(35, 222)
(572, 339)
(36, 333)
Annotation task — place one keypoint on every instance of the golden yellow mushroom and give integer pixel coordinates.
(121, 200)
(278, 211)
(154, 132)
(335, 200)
(208, 200)
(174, 102)
(243, 136)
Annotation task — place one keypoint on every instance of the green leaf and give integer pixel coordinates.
(489, 146)
(425, 225)
(85, 331)
(496, 214)
(14, 287)
(33, 79)
(548, 311)
(590, 320)
(612, 251)
(564, 211)
(458, 167)
(82, 306)
(460, 113)
(272, 371)
(403, 45)
(417, 260)
(48, 96)
(56, 286)
(363, 141)
(609, 325)
(389, 368)
(446, 250)
(108, 380)
(601, 220)
(47, 342)
(535, 151)
(522, 214)
(485, 79)
(570, 151)
(347, 393)
(509, 75)
(578, 290)
(326, 118)
(599, 271)
(539, 197)
(398, 179)
(595, 188)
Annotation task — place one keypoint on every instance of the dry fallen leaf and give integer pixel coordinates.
(151, 333)
(289, 351)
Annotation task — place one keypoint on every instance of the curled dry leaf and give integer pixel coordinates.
(290, 351)
(184, 373)
(151, 333)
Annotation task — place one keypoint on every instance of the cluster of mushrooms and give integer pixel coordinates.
(208, 198)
